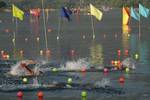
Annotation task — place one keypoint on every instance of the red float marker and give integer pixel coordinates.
(20, 95)
(72, 52)
(122, 80)
(83, 69)
(126, 52)
(112, 62)
(119, 52)
(105, 70)
(40, 95)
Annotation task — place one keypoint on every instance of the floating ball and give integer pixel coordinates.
(119, 52)
(37, 39)
(20, 94)
(136, 56)
(115, 63)
(25, 80)
(26, 39)
(13, 40)
(128, 35)
(2, 52)
(116, 35)
(40, 94)
(112, 62)
(83, 36)
(41, 52)
(69, 81)
(83, 69)
(104, 35)
(54, 69)
(7, 30)
(93, 36)
(121, 80)
(83, 93)
(105, 70)
(127, 70)
(48, 51)
(7, 57)
(57, 37)
(21, 52)
(49, 30)
(72, 52)
(126, 52)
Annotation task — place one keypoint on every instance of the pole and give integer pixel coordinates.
(14, 44)
(46, 41)
(14, 38)
(43, 13)
(139, 28)
(92, 26)
(59, 28)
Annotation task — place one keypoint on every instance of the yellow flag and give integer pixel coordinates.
(18, 13)
(125, 15)
(95, 12)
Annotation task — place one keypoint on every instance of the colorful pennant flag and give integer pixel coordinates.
(125, 15)
(18, 13)
(134, 14)
(95, 12)
(66, 13)
(143, 11)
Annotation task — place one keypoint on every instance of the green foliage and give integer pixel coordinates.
(76, 3)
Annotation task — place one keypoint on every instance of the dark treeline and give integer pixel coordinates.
(26, 4)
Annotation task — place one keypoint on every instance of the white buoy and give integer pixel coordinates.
(57, 37)
(25, 80)
(93, 36)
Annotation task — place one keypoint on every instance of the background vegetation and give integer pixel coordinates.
(75, 3)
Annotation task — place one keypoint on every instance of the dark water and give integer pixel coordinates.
(108, 33)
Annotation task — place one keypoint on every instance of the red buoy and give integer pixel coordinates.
(112, 62)
(126, 52)
(72, 52)
(105, 70)
(40, 95)
(83, 69)
(119, 52)
(121, 80)
(20, 95)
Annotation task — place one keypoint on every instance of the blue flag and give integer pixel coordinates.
(66, 13)
(134, 14)
(143, 11)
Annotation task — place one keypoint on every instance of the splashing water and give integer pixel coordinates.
(129, 62)
(35, 82)
(104, 82)
(76, 65)
(17, 70)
